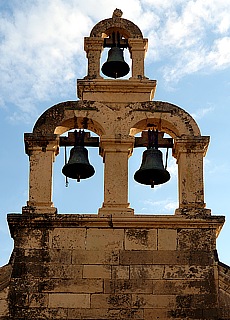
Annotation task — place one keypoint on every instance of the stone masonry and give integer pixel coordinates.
(115, 264)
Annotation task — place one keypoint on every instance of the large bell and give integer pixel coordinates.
(115, 66)
(152, 171)
(78, 166)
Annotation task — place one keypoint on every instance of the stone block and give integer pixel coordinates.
(146, 271)
(167, 239)
(39, 313)
(186, 313)
(153, 301)
(211, 313)
(166, 287)
(31, 255)
(172, 257)
(4, 308)
(128, 286)
(62, 256)
(31, 239)
(103, 313)
(35, 270)
(225, 313)
(136, 257)
(109, 257)
(64, 271)
(111, 301)
(38, 300)
(87, 314)
(197, 239)
(4, 293)
(19, 298)
(186, 272)
(71, 300)
(67, 238)
(141, 239)
(72, 286)
(97, 271)
(120, 272)
(201, 258)
(205, 301)
(104, 239)
(155, 314)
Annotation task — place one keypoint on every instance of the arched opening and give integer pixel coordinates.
(163, 198)
(85, 196)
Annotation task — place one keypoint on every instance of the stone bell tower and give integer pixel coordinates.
(115, 264)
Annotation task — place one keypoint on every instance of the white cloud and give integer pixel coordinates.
(200, 113)
(219, 57)
(162, 206)
(41, 46)
(42, 42)
(172, 167)
(193, 37)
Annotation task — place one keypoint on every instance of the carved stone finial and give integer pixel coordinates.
(117, 13)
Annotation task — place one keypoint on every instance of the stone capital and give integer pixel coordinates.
(117, 144)
(138, 44)
(34, 142)
(190, 145)
(93, 44)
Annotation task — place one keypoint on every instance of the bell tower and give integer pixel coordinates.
(116, 263)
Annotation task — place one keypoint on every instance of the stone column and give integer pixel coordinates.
(115, 153)
(41, 156)
(138, 48)
(93, 48)
(189, 152)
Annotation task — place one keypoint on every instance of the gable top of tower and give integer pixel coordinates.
(126, 27)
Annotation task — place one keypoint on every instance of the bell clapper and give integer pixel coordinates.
(152, 184)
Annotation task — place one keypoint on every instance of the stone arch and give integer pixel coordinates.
(127, 28)
(165, 116)
(189, 147)
(70, 115)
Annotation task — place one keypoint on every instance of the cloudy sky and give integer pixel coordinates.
(41, 56)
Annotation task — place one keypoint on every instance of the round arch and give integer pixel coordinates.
(70, 115)
(165, 116)
(128, 28)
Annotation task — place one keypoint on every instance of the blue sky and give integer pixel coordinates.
(41, 52)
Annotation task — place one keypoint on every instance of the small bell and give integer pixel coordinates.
(115, 66)
(152, 171)
(78, 166)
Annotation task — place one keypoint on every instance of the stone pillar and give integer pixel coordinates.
(93, 48)
(138, 48)
(41, 156)
(115, 153)
(189, 152)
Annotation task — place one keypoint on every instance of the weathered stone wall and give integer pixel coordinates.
(85, 267)
(5, 274)
(224, 291)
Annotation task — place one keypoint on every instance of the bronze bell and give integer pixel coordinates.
(78, 166)
(115, 66)
(152, 171)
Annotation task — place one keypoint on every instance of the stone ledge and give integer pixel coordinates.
(138, 90)
(17, 221)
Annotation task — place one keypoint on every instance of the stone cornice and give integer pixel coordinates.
(17, 221)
